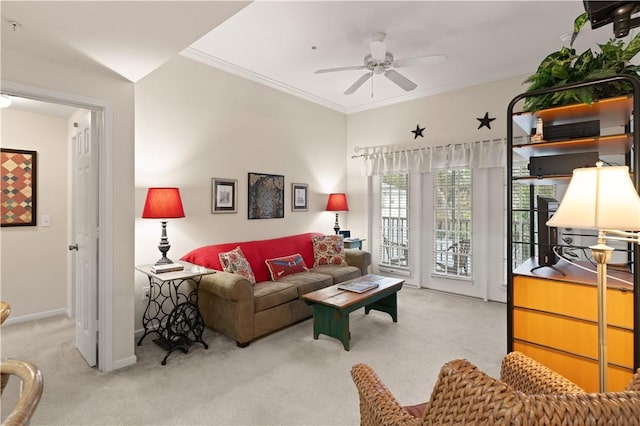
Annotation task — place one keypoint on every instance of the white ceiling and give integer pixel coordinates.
(130, 38)
(485, 41)
(272, 41)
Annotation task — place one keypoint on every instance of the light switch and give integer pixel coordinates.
(46, 220)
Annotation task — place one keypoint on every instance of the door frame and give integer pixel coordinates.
(105, 201)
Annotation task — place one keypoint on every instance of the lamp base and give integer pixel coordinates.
(336, 226)
(164, 246)
(601, 254)
(164, 260)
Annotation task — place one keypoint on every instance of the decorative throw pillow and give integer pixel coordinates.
(234, 262)
(328, 250)
(282, 266)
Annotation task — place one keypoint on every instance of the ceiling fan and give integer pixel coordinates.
(381, 61)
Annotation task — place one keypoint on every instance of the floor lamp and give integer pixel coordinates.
(603, 199)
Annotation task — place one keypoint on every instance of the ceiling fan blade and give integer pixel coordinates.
(378, 50)
(354, 67)
(420, 60)
(355, 86)
(400, 80)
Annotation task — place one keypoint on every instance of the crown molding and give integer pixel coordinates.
(223, 65)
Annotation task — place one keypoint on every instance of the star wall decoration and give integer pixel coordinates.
(485, 121)
(418, 131)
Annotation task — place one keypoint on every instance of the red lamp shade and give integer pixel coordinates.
(163, 203)
(337, 203)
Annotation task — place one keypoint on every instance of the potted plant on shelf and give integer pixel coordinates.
(566, 67)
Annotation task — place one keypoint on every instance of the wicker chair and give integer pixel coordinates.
(528, 394)
(30, 390)
(5, 310)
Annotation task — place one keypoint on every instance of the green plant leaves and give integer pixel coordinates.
(577, 26)
(566, 67)
(632, 48)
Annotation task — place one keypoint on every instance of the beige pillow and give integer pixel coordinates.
(234, 262)
(328, 250)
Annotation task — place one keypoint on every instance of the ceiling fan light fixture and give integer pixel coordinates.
(378, 50)
(381, 62)
(355, 86)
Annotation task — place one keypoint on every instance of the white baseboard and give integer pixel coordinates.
(139, 332)
(124, 362)
(37, 316)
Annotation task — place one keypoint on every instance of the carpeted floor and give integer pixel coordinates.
(286, 378)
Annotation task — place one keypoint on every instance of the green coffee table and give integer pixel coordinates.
(332, 305)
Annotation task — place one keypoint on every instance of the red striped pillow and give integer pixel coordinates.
(282, 266)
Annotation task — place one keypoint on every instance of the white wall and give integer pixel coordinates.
(34, 258)
(113, 90)
(194, 122)
(447, 118)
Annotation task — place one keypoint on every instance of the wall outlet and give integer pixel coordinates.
(146, 291)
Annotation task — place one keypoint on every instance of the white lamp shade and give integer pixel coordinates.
(601, 198)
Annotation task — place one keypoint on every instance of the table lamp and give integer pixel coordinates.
(163, 203)
(604, 199)
(337, 203)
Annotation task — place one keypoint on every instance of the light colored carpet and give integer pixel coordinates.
(286, 378)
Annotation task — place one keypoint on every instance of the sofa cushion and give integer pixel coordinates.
(328, 250)
(338, 273)
(287, 265)
(269, 294)
(309, 281)
(234, 262)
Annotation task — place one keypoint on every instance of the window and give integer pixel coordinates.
(521, 225)
(452, 222)
(394, 221)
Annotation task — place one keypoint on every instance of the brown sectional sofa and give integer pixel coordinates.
(231, 305)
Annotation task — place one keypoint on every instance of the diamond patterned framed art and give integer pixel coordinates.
(266, 196)
(18, 187)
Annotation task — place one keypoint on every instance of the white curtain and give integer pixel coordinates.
(412, 158)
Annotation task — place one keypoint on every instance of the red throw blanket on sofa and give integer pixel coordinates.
(256, 252)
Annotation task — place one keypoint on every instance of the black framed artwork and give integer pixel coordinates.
(224, 195)
(299, 197)
(18, 177)
(266, 196)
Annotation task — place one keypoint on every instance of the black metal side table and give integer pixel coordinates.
(172, 308)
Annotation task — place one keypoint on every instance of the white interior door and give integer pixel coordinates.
(85, 233)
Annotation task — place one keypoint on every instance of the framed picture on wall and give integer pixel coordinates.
(299, 197)
(224, 195)
(266, 196)
(18, 187)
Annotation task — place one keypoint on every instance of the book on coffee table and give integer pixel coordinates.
(358, 286)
